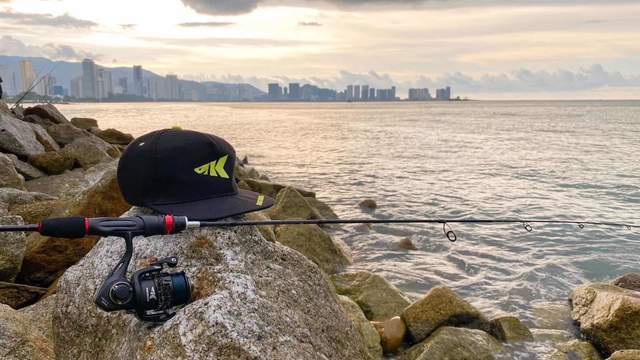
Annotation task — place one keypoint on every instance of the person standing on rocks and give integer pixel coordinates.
(0, 87)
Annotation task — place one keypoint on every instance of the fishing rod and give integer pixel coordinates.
(33, 85)
(155, 296)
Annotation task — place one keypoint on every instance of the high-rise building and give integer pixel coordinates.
(286, 92)
(294, 91)
(122, 83)
(365, 92)
(138, 83)
(419, 94)
(350, 92)
(47, 84)
(89, 79)
(392, 94)
(104, 83)
(173, 88)
(76, 87)
(275, 91)
(27, 75)
(58, 90)
(372, 94)
(443, 94)
(356, 92)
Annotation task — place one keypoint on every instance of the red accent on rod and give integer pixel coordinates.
(168, 224)
(40, 227)
(86, 226)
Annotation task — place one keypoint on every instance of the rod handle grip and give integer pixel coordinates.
(70, 227)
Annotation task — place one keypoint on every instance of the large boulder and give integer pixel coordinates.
(439, 307)
(329, 253)
(35, 212)
(252, 299)
(44, 138)
(35, 119)
(53, 162)
(575, 350)
(609, 316)
(392, 333)
(46, 111)
(629, 281)
(71, 182)
(451, 343)
(267, 231)
(509, 329)
(25, 169)
(378, 299)
(9, 176)
(20, 339)
(17, 137)
(113, 136)
(84, 123)
(40, 314)
(325, 210)
(289, 204)
(625, 355)
(66, 133)
(47, 257)
(12, 248)
(369, 334)
(272, 189)
(88, 151)
(18, 296)
(10, 197)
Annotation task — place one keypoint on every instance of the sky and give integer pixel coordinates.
(482, 48)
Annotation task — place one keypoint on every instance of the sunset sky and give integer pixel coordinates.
(488, 48)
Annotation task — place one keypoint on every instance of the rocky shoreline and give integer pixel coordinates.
(261, 292)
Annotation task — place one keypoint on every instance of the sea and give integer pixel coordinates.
(564, 160)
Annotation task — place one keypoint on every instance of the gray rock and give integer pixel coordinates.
(88, 151)
(40, 315)
(509, 329)
(625, 355)
(9, 176)
(575, 350)
(113, 136)
(329, 253)
(629, 281)
(25, 169)
(47, 111)
(369, 334)
(272, 189)
(378, 299)
(368, 204)
(66, 133)
(450, 343)
(325, 210)
(609, 316)
(84, 123)
(20, 339)
(17, 137)
(71, 182)
(252, 299)
(35, 119)
(289, 204)
(10, 197)
(44, 138)
(12, 248)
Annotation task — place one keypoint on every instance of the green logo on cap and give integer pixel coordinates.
(214, 168)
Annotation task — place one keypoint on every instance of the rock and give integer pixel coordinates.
(369, 333)
(266, 230)
(378, 299)
(18, 296)
(323, 209)
(392, 333)
(71, 182)
(44, 138)
(9, 176)
(40, 315)
(17, 137)
(629, 281)
(406, 244)
(368, 204)
(20, 339)
(37, 211)
(25, 169)
(245, 160)
(272, 190)
(451, 343)
(66, 133)
(10, 197)
(113, 136)
(5, 108)
(509, 329)
(18, 111)
(84, 123)
(551, 335)
(252, 299)
(12, 248)
(46, 257)
(575, 350)
(289, 204)
(625, 355)
(330, 254)
(53, 162)
(439, 307)
(88, 151)
(46, 111)
(35, 119)
(609, 316)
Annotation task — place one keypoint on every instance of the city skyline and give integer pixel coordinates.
(489, 49)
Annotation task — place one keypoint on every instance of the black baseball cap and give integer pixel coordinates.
(186, 173)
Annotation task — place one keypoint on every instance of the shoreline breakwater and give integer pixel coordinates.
(266, 292)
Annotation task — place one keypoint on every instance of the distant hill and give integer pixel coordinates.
(65, 71)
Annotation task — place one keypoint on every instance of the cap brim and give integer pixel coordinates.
(217, 208)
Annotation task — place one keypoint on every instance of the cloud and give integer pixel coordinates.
(229, 7)
(65, 21)
(206, 24)
(12, 46)
(128, 26)
(309, 23)
(224, 42)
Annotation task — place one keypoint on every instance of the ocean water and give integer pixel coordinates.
(543, 160)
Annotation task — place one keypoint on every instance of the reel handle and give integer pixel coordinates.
(144, 225)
